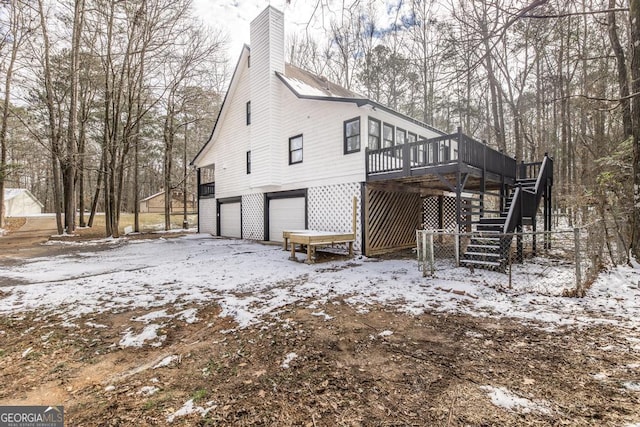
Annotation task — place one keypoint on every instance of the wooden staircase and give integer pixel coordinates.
(489, 244)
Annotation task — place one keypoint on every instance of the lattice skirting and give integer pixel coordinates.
(207, 216)
(438, 209)
(330, 208)
(391, 220)
(253, 216)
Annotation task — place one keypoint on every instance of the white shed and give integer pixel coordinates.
(20, 202)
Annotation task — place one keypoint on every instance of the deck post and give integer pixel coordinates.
(406, 159)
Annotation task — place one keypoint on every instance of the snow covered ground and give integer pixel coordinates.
(252, 281)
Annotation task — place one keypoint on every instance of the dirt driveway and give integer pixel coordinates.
(27, 240)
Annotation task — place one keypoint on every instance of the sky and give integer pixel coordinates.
(233, 17)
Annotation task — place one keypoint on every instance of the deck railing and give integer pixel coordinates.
(442, 150)
(207, 190)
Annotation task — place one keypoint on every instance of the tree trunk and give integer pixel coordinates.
(634, 18)
(623, 79)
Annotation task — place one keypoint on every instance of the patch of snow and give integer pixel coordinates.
(322, 314)
(251, 281)
(148, 390)
(149, 317)
(503, 398)
(288, 359)
(386, 333)
(110, 388)
(631, 385)
(95, 325)
(600, 376)
(149, 333)
(189, 408)
(26, 352)
(167, 361)
(189, 315)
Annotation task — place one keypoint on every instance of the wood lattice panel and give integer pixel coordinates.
(391, 220)
(431, 213)
(253, 216)
(330, 208)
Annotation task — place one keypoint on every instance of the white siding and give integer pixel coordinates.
(207, 216)
(22, 205)
(267, 58)
(229, 150)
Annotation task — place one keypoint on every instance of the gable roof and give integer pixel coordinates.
(233, 84)
(11, 193)
(305, 85)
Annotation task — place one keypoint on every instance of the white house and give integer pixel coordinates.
(20, 202)
(290, 150)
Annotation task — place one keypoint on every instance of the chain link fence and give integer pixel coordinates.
(562, 262)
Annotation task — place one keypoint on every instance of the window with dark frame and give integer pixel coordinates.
(374, 134)
(387, 135)
(415, 151)
(248, 162)
(295, 149)
(401, 136)
(352, 135)
(248, 112)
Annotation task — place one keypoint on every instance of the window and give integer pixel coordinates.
(248, 162)
(415, 150)
(374, 134)
(401, 136)
(248, 112)
(387, 135)
(352, 135)
(295, 149)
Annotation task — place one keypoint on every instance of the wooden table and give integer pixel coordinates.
(312, 239)
(287, 233)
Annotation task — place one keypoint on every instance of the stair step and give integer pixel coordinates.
(492, 221)
(490, 228)
(483, 248)
(481, 255)
(482, 263)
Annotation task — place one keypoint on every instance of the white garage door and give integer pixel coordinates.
(230, 220)
(285, 214)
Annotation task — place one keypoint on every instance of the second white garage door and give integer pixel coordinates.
(286, 214)
(230, 220)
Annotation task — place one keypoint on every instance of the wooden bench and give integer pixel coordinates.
(312, 239)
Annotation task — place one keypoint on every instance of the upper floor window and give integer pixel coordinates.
(401, 136)
(411, 137)
(374, 134)
(248, 162)
(352, 135)
(248, 112)
(295, 149)
(387, 135)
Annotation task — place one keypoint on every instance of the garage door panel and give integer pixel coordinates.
(286, 214)
(230, 220)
